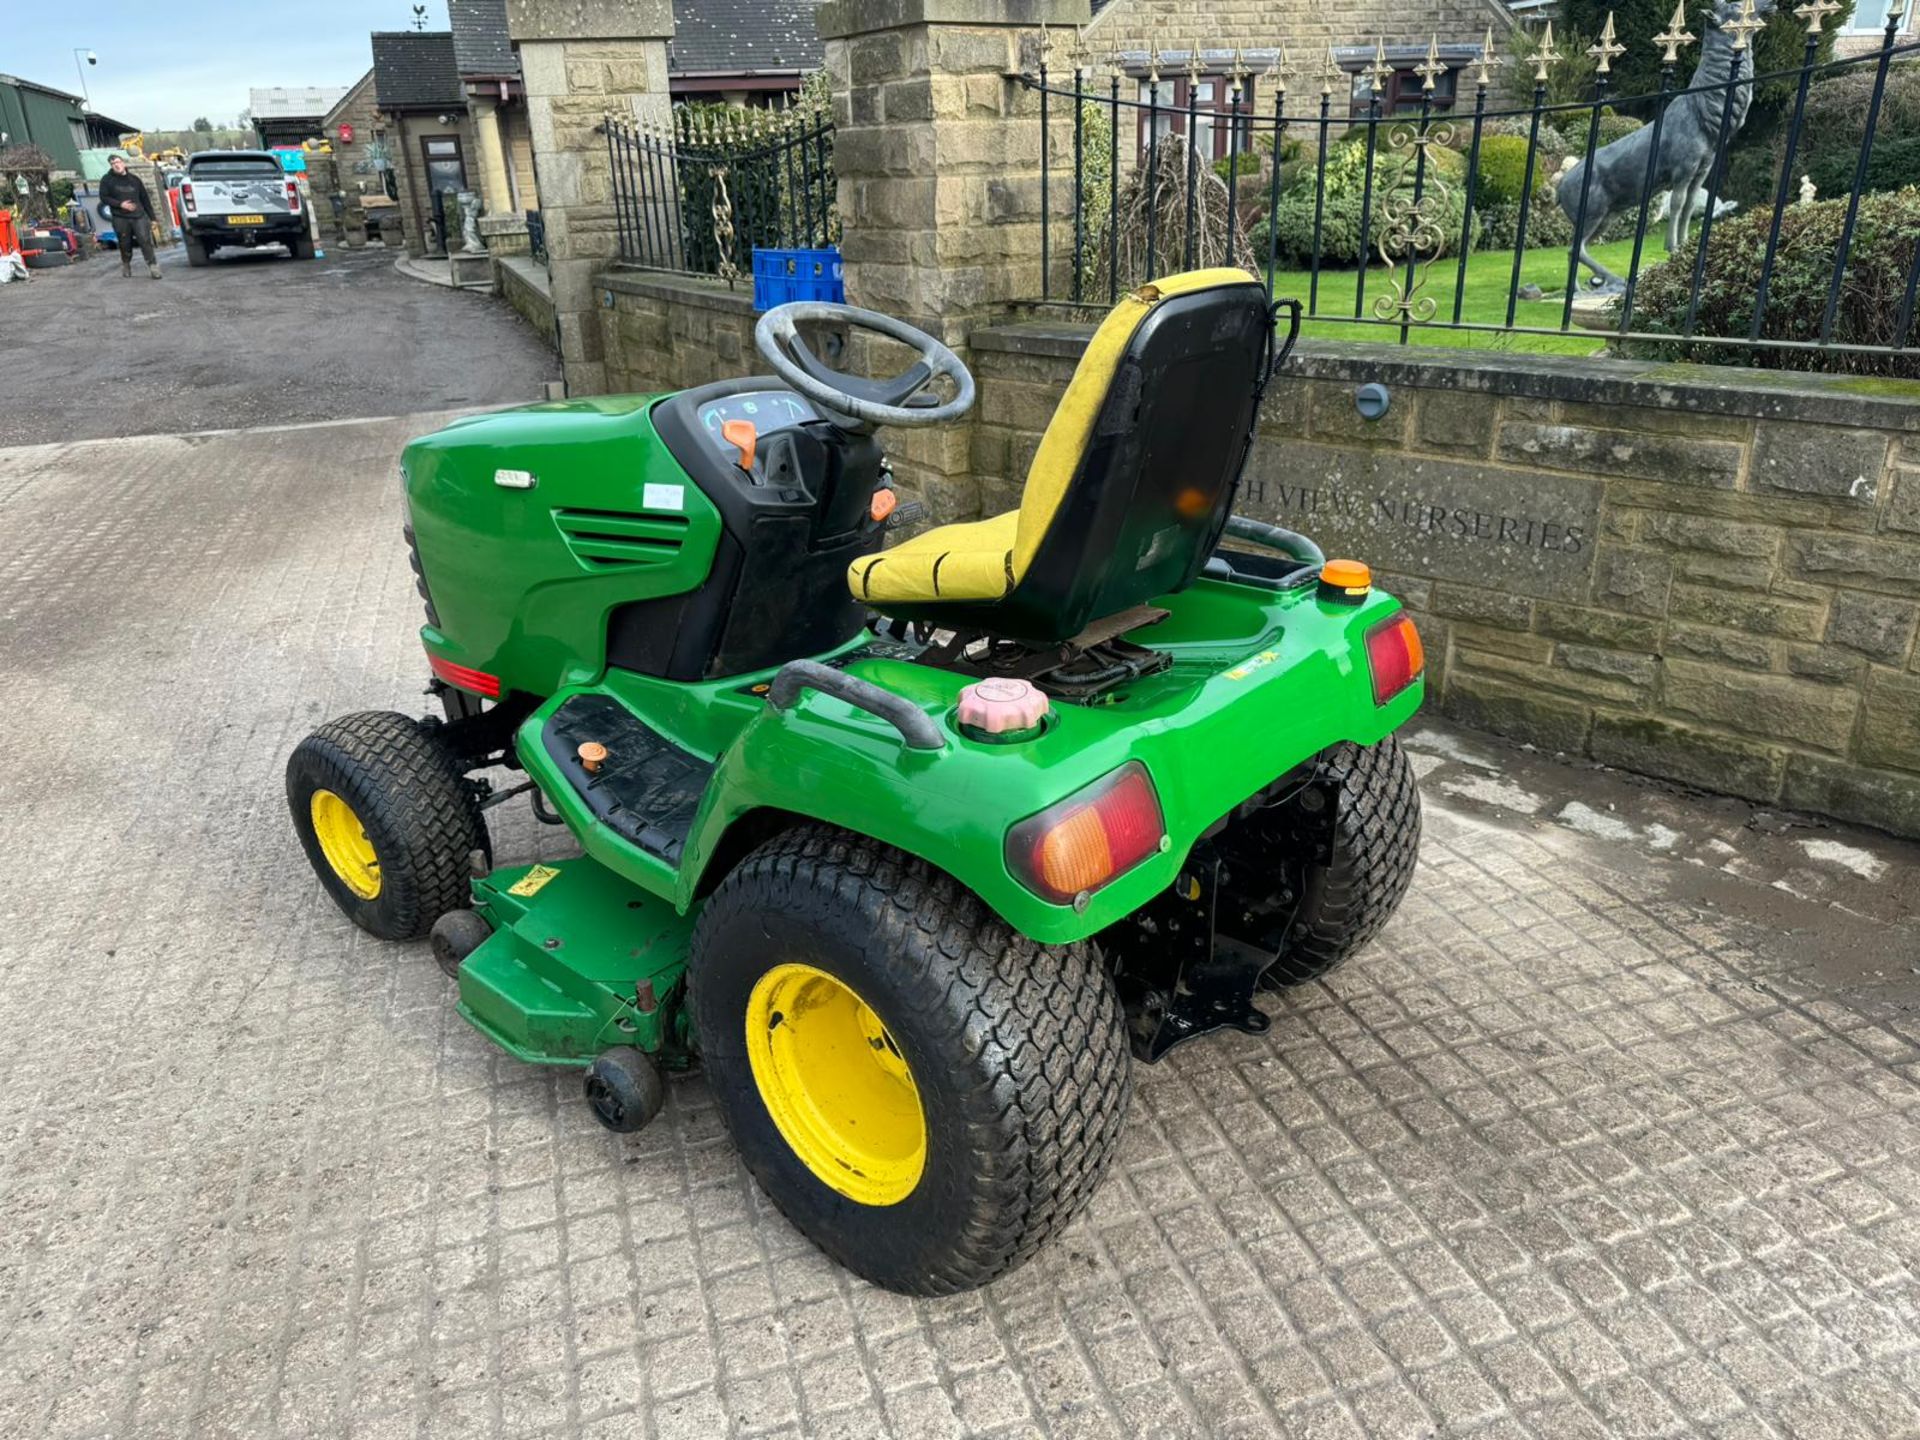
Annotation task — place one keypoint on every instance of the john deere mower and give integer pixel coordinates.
(913, 848)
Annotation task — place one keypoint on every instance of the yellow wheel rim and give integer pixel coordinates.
(838, 1088)
(343, 840)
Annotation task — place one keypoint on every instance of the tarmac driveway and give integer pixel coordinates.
(1612, 1133)
(254, 338)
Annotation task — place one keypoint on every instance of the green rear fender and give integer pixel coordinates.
(953, 808)
(1211, 732)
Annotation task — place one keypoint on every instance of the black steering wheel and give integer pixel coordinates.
(871, 402)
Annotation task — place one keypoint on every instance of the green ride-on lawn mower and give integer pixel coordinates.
(913, 849)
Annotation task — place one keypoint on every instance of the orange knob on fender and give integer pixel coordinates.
(592, 756)
(742, 434)
(883, 504)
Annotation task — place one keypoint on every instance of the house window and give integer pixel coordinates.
(1869, 17)
(1212, 97)
(1403, 94)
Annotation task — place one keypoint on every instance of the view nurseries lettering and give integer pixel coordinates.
(1458, 522)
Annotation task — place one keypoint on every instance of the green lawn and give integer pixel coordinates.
(1489, 275)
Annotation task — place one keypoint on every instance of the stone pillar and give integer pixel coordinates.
(580, 59)
(494, 188)
(937, 156)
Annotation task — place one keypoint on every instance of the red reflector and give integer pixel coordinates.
(1395, 655)
(1076, 846)
(464, 678)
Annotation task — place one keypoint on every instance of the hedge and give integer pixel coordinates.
(1879, 262)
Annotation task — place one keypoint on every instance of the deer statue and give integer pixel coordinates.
(1690, 142)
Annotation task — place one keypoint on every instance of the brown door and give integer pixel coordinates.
(445, 169)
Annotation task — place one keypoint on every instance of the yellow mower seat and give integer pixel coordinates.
(1131, 483)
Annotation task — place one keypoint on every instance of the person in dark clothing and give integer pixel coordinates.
(124, 200)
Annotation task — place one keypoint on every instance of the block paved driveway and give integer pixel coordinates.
(1612, 1133)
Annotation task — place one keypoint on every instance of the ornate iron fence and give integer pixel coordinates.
(1388, 199)
(700, 191)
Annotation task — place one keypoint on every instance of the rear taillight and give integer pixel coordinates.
(186, 197)
(293, 198)
(1395, 655)
(464, 677)
(1072, 848)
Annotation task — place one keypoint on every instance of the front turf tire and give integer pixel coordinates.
(387, 821)
(1017, 1053)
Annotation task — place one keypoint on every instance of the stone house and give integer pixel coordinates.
(361, 146)
(1123, 32)
(1864, 28)
(416, 82)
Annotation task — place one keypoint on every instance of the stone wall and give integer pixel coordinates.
(523, 285)
(669, 332)
(1711, 576)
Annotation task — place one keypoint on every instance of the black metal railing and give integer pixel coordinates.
(1392, 203)
(537, 236)
(701, 191)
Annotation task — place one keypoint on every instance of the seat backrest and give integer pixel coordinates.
(1136, 474)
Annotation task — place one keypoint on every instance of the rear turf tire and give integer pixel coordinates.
(397, 857)
(1016, 1051)
(1376, 841)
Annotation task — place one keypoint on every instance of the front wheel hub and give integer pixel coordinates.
(344, 843)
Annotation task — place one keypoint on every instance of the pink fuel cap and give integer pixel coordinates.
(999, 705)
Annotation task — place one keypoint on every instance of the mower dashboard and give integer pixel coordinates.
(795, 495)
(765, 410)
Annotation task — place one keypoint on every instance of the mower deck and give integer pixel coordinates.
(579, 960)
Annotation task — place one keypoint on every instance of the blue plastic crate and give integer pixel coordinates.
(780, 276)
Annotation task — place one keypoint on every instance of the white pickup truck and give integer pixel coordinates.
(241, 197)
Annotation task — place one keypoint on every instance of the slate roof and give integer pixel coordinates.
(743, 37)
(415, 70)
(480, 44)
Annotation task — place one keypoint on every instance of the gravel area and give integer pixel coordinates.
(253, 339)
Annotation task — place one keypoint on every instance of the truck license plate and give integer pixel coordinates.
(246, 219)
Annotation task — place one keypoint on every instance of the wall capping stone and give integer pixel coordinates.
(1695, 389)
(680, 289)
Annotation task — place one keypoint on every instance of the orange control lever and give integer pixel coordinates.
(883, 504)
(742, 434)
